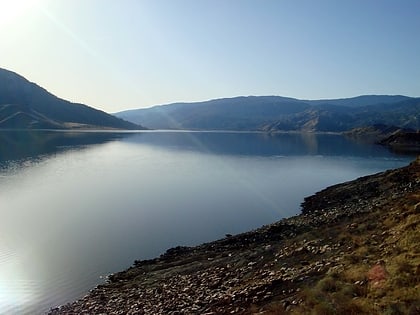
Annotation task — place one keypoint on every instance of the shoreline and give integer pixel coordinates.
(340, 235)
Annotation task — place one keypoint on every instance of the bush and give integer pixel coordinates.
(323, 308)
(404, 267)
(394, 309)
(352, 308)
(328, 284)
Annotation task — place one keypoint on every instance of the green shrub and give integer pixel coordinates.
(323, 308)
(328, 284)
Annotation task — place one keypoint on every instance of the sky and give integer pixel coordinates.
(124, 54)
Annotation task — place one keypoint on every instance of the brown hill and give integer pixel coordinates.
(25, 105)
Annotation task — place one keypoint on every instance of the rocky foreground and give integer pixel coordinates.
(355, 249)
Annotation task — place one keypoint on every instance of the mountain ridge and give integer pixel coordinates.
(26, 105)
(277, 113)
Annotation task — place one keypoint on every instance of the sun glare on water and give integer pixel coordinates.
(12, 9)
(16, 290)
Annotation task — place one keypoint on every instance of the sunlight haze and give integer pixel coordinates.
(118, 55)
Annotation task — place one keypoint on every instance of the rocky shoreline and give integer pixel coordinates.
(354, 249)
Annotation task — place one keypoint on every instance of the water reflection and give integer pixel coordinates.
(259, 144)
(17, 145)
(24, 145)
(16, 291)
(76, 206)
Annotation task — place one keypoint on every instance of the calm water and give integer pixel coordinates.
(78, 206)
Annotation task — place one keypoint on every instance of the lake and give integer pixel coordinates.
(76, 206)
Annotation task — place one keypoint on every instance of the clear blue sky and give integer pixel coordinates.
(116, 55)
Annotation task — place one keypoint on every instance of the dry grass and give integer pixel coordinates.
(349, 292)
(389, 233)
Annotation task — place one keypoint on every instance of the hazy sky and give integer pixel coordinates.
(123, 54)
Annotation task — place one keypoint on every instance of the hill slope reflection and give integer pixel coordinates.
(258, 144)
(17, 145)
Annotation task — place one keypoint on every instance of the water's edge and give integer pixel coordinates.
(221, 269)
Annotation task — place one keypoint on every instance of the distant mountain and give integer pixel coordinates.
(359, 101)
(275, 113)
(335, 118)
(239, 113)
(25, 105)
